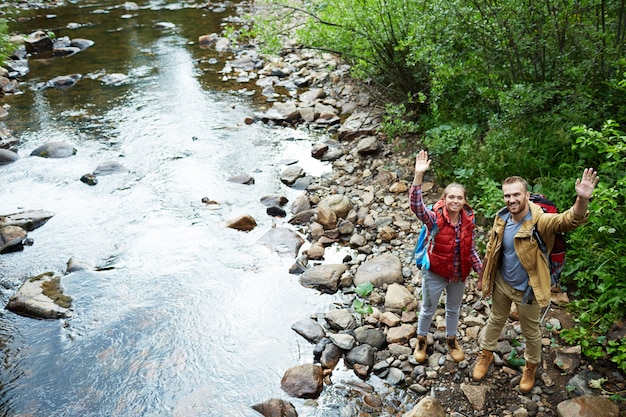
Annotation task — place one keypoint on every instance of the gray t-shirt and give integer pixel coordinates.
(511, 269)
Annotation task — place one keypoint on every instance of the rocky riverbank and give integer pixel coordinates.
(363, 205)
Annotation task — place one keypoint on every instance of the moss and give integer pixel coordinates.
(41, 276)
(52, 290)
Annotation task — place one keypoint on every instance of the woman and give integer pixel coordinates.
(452, 256)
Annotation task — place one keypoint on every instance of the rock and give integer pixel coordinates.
(245, 223)
(303, 381)
(89, 179)
(12, 238)
(38, 43)
(164, 25)
(275, 211)
(310, 329)
(41, 297)
(340, 319)
(476, 395)
(27, 219)
(401, 334)
(398, 298)
(81, 43)
(242, 179)
(380, 270)
(588, 406)
(324, 278)
(291, 174)
(338, 204)
(275, 200)
(567, 359)
(113, 79)
(282, 240)
(54, 150)
(427, 407)
(64, 81)
(7, 157)
(276, 408)
(110, 168)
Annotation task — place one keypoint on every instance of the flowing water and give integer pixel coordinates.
(189, 318)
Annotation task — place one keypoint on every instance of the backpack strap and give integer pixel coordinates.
(529, 295)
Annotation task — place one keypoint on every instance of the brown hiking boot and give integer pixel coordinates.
(420, 349)
(485, 359)
(528, 378)
(455, 350)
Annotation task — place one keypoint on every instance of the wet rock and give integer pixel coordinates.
(54, 150)
(27, 219)
(310, 329)
(301, 203)
(114, 79)
(303, 381)
(64, 52)
(327, 353)
(110, 168)
(282, 240)
(38, 43)
(74, 265)
(275, 211)
(12, 238)
(64, 81)
(275, 200)
(245, 223)
(164, 25)
(291, 174)
(41, 297)
(81, 43)
(588, 406)
(7, 156)
(242, 179)
(89, 179)
(324, 278)
(276, 408)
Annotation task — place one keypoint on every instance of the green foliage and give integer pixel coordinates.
(359, 304)
(398, 121)
(597, 255)
(5, 46)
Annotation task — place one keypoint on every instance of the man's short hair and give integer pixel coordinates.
(514, 179)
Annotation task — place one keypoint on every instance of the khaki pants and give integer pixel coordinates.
(529, 314)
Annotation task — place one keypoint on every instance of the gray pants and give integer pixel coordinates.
(432, 287)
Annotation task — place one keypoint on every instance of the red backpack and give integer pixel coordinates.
(556, 257)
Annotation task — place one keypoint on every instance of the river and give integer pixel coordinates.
(186, 317)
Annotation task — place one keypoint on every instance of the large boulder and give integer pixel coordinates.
(380, 270)
(41, 297)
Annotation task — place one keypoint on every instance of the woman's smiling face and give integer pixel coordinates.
(455, 199)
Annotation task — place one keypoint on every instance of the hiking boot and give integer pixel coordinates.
(485, 359)
(455, 350)
(420, 349)
(528, 378)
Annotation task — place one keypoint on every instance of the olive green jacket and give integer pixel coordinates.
(530, 255)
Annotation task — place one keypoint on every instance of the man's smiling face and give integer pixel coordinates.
(516, 197)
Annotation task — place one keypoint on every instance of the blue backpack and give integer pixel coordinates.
(424, 243)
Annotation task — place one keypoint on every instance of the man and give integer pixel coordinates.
(516, 270)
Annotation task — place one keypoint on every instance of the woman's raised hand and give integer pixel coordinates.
(422, 163)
